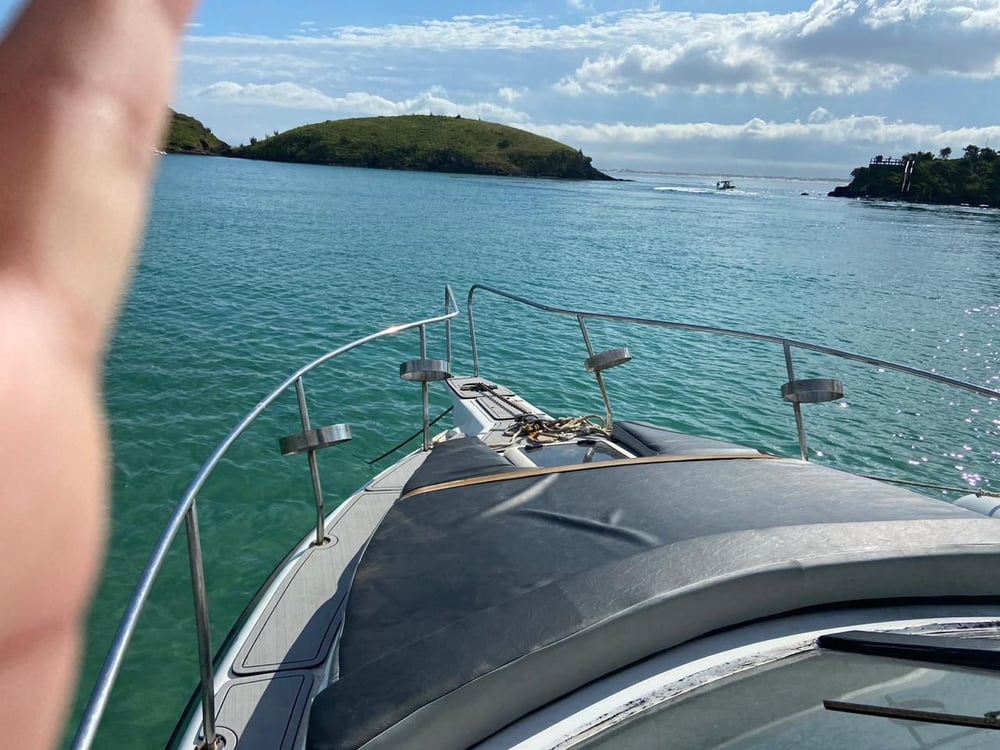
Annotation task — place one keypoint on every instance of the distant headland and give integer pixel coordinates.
(970, 180)
(186, 135)
(431, 143)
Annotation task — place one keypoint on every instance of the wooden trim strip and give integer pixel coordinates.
(545, 471)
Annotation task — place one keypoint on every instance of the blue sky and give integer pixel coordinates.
(717, 87)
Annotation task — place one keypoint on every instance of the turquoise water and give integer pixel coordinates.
(251, 269)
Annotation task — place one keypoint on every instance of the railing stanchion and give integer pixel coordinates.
(586, 335)
(734, 333)
(425, 392)
(448, 301)
(300, 394)
(799, 426)
(99, 697)
(597, 373)
(472, 335)
(812, 391)
(204, 633)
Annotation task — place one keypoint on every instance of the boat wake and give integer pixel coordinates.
(697, 190)
(672, 189)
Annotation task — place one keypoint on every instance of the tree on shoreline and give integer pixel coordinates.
(973, 179)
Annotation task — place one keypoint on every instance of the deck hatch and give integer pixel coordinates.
(299, 626)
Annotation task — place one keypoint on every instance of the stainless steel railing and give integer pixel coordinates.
(186, 513)
(186, 510)
(788, 345)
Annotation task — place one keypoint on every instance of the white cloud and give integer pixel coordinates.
(278, 66)
(285, 95)
(893, 12)
(819, 116)
(836, 47)
(509, 95)
(863, 131)
(288, 95)
(470, 32)
(822, 127)
(568, 86)
(706, 68)
(669, 77)
(759, 146)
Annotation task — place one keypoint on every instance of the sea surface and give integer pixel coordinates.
(251, 269)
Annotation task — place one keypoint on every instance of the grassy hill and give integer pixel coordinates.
(187, 135)
(425, 142)
(972, 179)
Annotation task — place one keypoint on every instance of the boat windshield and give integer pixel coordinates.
(781, 707)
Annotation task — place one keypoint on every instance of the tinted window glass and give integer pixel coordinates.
(780, 707)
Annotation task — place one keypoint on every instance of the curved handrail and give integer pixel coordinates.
(184, 512)
(786, 344)
(804, 345)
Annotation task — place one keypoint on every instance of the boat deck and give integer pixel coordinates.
(543, 581)
(284, 657)
(546, 577)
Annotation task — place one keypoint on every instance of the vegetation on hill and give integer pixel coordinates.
(187, 135)
(973, 179)
(424, 142)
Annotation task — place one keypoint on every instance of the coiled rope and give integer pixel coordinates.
(542, 431)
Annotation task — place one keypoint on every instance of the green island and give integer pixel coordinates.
(430, 143)
(921, 177)
(186, 135)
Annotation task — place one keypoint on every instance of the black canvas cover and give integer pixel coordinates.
(475, 605)
(462, 458)
(644, 439)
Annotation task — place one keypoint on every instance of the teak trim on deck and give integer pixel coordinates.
(547, 470)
